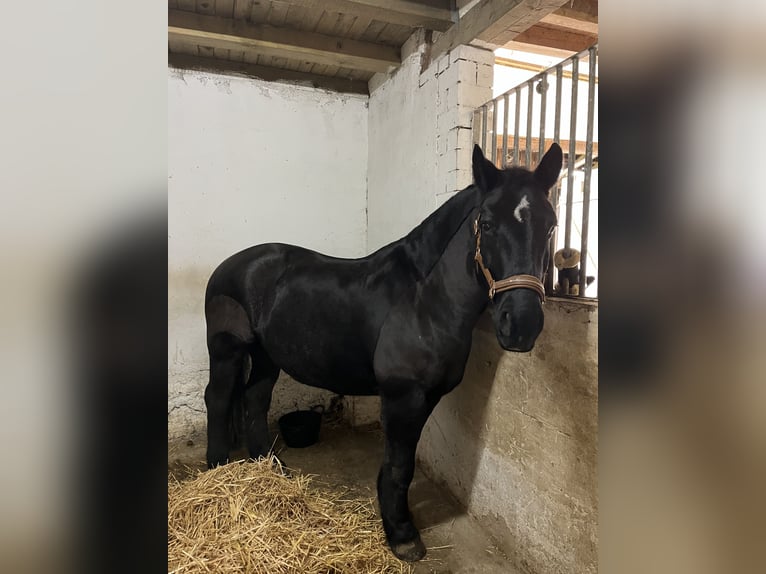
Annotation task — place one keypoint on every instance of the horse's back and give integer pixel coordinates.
(315, 315)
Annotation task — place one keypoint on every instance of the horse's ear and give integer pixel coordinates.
(485, 174)
(548, 169)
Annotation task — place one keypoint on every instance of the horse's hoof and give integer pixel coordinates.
(411, 551)
(213, 462)
(281, 467)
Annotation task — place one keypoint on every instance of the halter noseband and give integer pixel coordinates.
(512, 282)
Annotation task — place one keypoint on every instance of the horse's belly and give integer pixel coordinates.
(344, 369)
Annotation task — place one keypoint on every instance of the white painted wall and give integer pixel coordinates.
(420, 137)
(252, 162)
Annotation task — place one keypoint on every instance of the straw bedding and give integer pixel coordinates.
(248, 517)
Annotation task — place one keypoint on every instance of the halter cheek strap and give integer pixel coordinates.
(512, 282)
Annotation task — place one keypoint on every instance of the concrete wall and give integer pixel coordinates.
(516, 441)
(252, 162)
(420, 136)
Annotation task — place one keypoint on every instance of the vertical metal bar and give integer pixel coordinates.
(572, 155)
(530, 109)
(484, 129)
(556, 191)
(505, 131)
(494, 131)
(475, 125)
(516, 128)
(557, 117)
(588, 168)
(548, 280)
(543, 101)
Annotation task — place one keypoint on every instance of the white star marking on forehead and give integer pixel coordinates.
(517, 212)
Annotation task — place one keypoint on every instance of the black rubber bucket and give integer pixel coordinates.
(301, 428)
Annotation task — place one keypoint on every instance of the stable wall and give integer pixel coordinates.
(252, 162)
(516, 441)
(420, 136)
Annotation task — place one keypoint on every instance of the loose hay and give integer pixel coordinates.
(247, 517)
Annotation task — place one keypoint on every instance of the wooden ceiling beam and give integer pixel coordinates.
(555, 37)
(533, 49)
(583, 10)
(436, 15)
(216, 65)
(267, 40)
(580, 15)
(495, 22)
(570, 23)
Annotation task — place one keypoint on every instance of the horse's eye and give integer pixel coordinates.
(486, 226)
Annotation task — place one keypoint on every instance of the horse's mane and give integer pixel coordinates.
(426, 242)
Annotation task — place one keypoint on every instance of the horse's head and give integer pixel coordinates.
(515, 223)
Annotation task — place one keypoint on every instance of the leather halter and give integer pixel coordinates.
(512, 282)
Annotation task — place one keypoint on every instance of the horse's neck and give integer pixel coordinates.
(427, 242)
(454, 284)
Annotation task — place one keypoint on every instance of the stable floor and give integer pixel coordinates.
(346, 457)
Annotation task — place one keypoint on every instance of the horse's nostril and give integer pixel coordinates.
(505, 324)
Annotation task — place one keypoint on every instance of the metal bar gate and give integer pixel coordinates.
(503, 140)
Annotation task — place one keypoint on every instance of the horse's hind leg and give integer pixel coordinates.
(227, 359)
(263, 376)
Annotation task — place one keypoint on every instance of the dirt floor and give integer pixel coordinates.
(456, 542)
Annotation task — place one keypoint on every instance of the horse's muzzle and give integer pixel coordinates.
(518, 317)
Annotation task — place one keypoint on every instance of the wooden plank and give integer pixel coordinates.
(571, 23)
(542, 50)
(242, 9)
(324, 23)
(518, 64)
(295, 17)
(206, 51)
(305, 67)
(278, 13)
(330, 71)
(582, 10)
(343, 73)
(234, 34)
(177, 46)
(343, 23)
(237, 55)
(319, 69)
(579, 145)
(185, 62)
(291, 65)
(436, 15)
(373, 31)
(489, 19)
(259, 11)
(555, 37)
(359, 27)
(224, 8)
(279, 62)
(206, 7)
(187, 5)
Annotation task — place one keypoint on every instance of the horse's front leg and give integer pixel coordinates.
(404, 416)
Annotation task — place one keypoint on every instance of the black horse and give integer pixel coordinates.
(396, 323)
